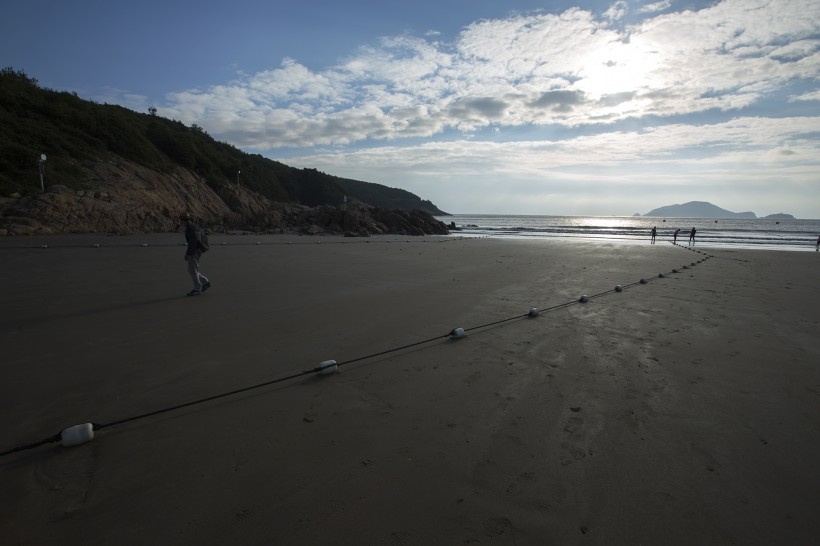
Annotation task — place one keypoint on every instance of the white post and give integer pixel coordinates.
(42, 171)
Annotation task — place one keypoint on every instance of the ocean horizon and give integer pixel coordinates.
(746, 233)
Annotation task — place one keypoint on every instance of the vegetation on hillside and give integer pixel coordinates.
(72, 131)
(389, 198)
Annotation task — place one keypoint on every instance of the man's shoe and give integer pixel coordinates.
(206, 286)
(194, 293)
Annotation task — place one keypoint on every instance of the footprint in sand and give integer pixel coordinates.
(70, 476)
(495, 527)
(709, 462)
(573, 424)
(574, 453)
(242, 515)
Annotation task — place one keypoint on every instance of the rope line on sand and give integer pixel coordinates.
(79, 434)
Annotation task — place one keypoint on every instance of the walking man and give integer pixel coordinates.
(692, 236)
(675, 237)
(193, 254)
(654, 232)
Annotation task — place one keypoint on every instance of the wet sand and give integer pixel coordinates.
(681, 411)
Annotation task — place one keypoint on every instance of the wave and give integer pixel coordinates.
(759, 233)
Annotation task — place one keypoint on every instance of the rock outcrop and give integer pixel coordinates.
(122, 197)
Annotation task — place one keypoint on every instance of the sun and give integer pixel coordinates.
(617, 74)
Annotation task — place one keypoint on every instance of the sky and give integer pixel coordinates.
(572, 107)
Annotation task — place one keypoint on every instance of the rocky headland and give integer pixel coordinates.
(125, 198)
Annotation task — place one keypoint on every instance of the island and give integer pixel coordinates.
(698, 209)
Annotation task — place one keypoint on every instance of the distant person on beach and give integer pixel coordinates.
(817, 245)
(692, 236)
(193, 236)
(654, 232)
(675, 237)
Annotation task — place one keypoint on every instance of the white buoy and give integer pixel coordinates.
(644, 281)
(78, 434)
(43, 246)
(533, 312)
(258, 243)
(619, 288)
(328, 367)
(96, 245)
(144, 244)
(457, 333)
(583, 299)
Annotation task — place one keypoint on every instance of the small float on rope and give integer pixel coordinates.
(76, 435)
(327, 367)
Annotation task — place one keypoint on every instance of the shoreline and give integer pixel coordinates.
(221, 239)
(809, 246)
(681, 410)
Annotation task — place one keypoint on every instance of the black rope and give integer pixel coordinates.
(49, 440)
(100, 426)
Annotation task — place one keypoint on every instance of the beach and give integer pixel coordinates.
(685, 410)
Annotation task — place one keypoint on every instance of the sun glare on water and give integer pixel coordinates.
(601, 222)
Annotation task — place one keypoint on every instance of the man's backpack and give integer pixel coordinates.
(202, 241)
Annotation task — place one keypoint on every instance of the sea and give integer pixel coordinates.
(760, 233)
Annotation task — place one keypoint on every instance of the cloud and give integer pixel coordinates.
(559, 100)
(655, 7)
(478, 109)
(572, 69)
(578, 175)
(812, 96)
(726, 142)
(112, 95)
(617, 11)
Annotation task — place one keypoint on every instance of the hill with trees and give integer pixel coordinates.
(77, 134)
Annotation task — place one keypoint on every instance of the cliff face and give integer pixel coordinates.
(123, 197)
